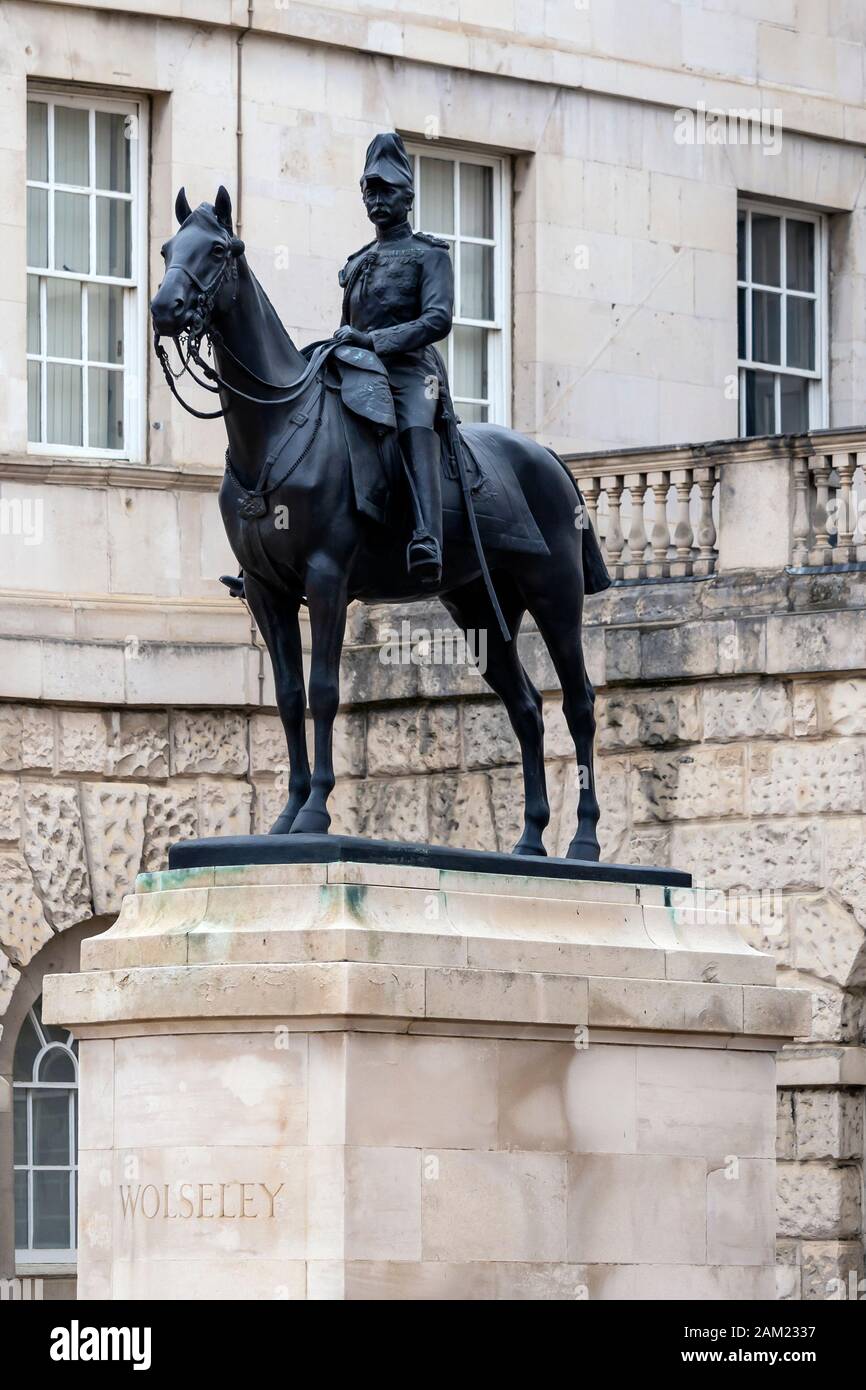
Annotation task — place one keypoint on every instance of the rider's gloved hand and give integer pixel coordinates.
(354, 337)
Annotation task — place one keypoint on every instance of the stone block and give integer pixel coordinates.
(171, 815)
(9, 978)
(752, 857)
(23, 928)
(488, 738)
(746, 712)
(114, 826)
(208, 741)
(829, 1123)
(842, 706)
(82, 741)
(493, 1206)
(829, 942)
(460, 811)
(832, 1270)
(53, 844)
(140, 745)
(648, 719)
(637, 1209)
(740, 1224)
(224, 808)
(694, 1102)
(700, 782)
(818, 1201)
(10, 808)
(424, 738)
(807, 778)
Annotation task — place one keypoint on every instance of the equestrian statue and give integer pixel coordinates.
(347, 477)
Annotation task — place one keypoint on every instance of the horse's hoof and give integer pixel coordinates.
(283, 824)
(311, 823)
(588, 850)
(530, 847)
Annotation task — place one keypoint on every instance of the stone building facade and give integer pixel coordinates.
(729, 657)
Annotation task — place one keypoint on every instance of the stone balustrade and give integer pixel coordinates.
(696, 510)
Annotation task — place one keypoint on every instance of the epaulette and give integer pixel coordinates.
(431, 240)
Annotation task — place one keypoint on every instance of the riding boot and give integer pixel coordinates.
(420, 448)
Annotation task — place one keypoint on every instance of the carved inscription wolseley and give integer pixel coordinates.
(187, 1200)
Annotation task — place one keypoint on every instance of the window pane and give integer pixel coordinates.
(741, 323)
(57, 1065)
(800, 253)
(34, 402)
(22, 1235)
(436, 206)
(71, 155)
(476, 281)
(19, 1127)
(741, 246)
(760, 410)
(37, 141)
(37, 226)
(471, 414)
(51, 1127)
(26, 1049)
(112, 152)
(113, 245)
(63, 389)
(63, 318)
(801, 332)
(51, 1211)
(766, 326)
(470, 363)
(105, 409)
(71, 232)
(34, 326)
(105, 323)
(476, 200)
(766, 249)
(794, 404)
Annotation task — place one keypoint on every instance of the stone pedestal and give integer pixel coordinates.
(348, 1081)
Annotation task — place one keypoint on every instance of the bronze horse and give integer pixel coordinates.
(330, 553)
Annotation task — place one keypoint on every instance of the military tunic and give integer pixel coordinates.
(401, 292)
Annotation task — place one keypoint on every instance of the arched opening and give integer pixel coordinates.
(45, 1142)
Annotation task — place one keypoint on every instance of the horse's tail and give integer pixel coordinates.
(595, 575)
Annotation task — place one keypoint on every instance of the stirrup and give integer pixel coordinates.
(424, 557)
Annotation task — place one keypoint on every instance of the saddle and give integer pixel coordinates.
(504, 519)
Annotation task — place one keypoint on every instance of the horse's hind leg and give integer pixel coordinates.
(327, 602)
(470, 608)
(277, 620)
(557, 611)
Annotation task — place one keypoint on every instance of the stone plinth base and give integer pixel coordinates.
(344, 1081)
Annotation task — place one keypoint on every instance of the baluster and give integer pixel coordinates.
(660, 535)
(820, 551)
(843, 550)
(637, 536)
(800, 526)
(683, 538)
(705, 561)
(859, 499)
(615, 540)
(589, 489)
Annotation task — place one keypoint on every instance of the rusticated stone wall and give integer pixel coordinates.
(731, 742)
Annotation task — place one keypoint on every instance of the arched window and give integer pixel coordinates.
(45, 1134)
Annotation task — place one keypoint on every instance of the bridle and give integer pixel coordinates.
(188, 343)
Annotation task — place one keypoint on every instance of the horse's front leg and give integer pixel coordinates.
(326, 599)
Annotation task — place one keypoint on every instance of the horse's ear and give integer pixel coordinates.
(182, 209)
(223, 208)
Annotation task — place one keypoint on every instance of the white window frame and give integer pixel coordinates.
(499, 327)
(134, 368)
(819, 377)
(29, 1257)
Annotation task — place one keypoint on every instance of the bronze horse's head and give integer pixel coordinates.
(200, 267)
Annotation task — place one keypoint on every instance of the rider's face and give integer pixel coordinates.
(385, 204)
